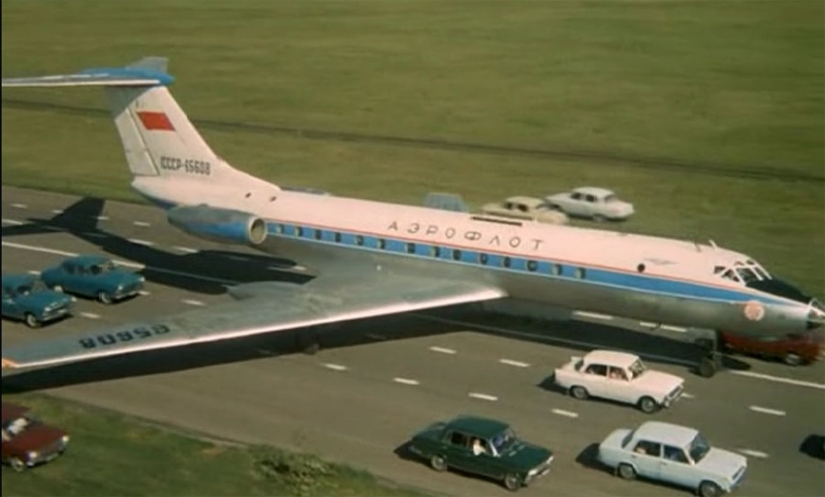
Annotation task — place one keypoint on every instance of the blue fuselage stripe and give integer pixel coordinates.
(514, 263)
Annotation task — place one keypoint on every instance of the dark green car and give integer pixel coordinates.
(483, 447)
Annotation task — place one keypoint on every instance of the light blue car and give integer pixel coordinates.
(674, 454)
(27, 298)
(93, 276)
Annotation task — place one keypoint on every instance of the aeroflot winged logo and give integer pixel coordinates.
(155, 121)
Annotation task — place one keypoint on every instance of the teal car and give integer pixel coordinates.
(93, 276)
(675, 454)
(26, 298)
(483, 447)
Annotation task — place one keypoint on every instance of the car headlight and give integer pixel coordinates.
(121, 287)
(32, 454)
(142, 279)
(65, 439)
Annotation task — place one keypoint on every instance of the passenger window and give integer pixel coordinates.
(596, 369)
(359, 240)
(435, 251)
(318, 234)
(410, 248)
(456, 255)
(69, 268)
(648, 448)
(506, 262)
(576, 196)
(556, 269)
(458, 439)
(617, 374)
(522, 208)
(580, 273)
(300, 231)
(381, 243)
(482, 258)
(532, 265)
(337, 237)
(675, 454)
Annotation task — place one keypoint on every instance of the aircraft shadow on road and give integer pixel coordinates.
(215, 268)
(813, 446)
(583, 336)
(270, 345)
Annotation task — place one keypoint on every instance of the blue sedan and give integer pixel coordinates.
(27, 298)
(93, 276)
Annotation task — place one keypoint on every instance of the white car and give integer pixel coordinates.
(530, 208)
(591, 202)
(620, 377)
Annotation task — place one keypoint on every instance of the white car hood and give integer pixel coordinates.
(658, 381)
(722, 462)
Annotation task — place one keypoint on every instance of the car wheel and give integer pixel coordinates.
(579, 392)
(792, 359)
(58, 288)
(31, 320)
(626, 471)
(706, 368)
(17, 464)
(709, 489)
(512, 482)
(647, 405)
(438, 463)
(104, 297)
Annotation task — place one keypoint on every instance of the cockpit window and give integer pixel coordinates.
(745, 272)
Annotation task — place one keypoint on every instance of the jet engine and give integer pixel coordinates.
(219, 225)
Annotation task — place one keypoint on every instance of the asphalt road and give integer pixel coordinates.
(374, 383)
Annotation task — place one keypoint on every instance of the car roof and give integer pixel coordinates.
(13, 411)
(594, 190)
(611, 357)
(667, 433)
(474, 425)
(14, 280)
(88, 259)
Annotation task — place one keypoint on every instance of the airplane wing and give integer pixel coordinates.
(261, 308)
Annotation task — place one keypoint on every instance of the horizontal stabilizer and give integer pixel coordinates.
(150, 71)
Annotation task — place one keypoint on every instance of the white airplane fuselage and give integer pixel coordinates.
(647, 278)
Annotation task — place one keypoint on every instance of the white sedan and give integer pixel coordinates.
(620, 377)
(591, 202)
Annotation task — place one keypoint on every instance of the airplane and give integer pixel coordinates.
(373, 258)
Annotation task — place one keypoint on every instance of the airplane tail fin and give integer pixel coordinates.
(158, 138)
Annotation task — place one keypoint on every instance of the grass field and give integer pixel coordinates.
(109, 453)
(708, 115)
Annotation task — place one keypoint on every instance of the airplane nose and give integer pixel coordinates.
(816, 315)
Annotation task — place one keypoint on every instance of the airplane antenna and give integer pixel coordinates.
(698, 247)
(713, 244)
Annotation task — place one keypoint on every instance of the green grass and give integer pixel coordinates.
(737, 84)
(108, 453)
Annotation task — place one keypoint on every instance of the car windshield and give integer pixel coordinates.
(611, 198)
(17, 426)
(503, 440)
(35, 286)
(103, 267)
(637, 368)
(698, 448)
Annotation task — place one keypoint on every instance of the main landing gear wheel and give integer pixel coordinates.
(712, 361)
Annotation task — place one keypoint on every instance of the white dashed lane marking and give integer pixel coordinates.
(442, 350)
(677, 329)
(193, 302)
(753, 453)
(138, 241)
(688, 396)
(593, 315)
(34, 272)
(13, 222)
(562, 412)
(20, 206)
(90, 315)
(511, 362)
(335, 367)
(405, 381)
(141, 223)
(766, 410)
(186, 250)
(57, 211)
(483, 396)
(144, 292)
(102, 218)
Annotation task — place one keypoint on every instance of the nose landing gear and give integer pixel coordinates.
(711, 361)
